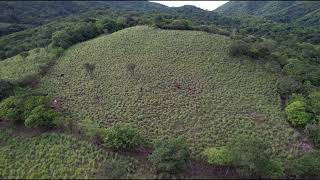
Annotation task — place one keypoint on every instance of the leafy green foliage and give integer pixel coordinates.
(306, 166)
(170, 155)
(239, 48)
(34, 111)
(10, 108)
(212, 29)
(256, 50)
(296, 113)
(108, 25)
(78, 33)
(6, 89)
(40, 116)
(314, 99)
(123, 136)
(218, 156)
(180, 24)
(287, 85)
(314, 134)
(253, 157)
(92, 129)
(296, 68)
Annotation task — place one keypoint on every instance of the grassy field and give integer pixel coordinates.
(56, 156)
(184, 84)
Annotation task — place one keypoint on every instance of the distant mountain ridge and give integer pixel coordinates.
(299, 12)
(19, 15)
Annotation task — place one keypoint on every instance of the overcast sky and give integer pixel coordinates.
(206, 5)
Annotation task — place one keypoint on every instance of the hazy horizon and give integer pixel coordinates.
(205, 5)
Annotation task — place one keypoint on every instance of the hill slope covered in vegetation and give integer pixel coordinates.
(183, 84)
(300, 12)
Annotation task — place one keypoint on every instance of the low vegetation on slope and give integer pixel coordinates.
(53, 155)
(171, 83)
(26, 64)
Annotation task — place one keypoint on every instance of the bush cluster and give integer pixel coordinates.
(255, 50)
(6, 89)
(123, 136)
(32, 110)
(218, 156)
(251, 155)
(170, 156)
(72, 35)
(297, 113)
(305, 166)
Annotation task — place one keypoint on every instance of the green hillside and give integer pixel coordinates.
(184, 85)
(56, 156)
(301, 12)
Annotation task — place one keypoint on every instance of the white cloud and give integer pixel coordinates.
(206, 5)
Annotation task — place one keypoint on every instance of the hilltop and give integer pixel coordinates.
(185, 85)
(141, 90)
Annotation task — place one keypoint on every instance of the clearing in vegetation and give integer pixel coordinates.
(183, 84)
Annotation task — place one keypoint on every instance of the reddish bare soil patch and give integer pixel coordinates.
(189, 89)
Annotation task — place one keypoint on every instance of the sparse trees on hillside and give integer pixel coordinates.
(89, 68)
(131, 68)
(170, 156)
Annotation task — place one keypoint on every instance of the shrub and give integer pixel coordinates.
(239, 48)
(89, 68)
(29, 80)
(41, 116)
(10, 109)
(307, 87)
(180, 24)
(92, 129)
(123, 136)
(287, 85)
(6, 89)
(170, 156)
(314, 76)
(218, 156)
(44, 68)
(130, 68)
(253, 157)
(314, 133)
(306, 166)
(31, 102)
(314, 99)
(107, 25)
(212, 29)
(116, 170)
(61, 39)
(296, 113)
(296, 68)
(24, 54)
(32, 110)
(264, 48)
(296, 97)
